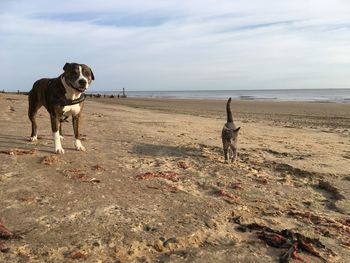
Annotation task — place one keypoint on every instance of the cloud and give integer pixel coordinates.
(179, 44)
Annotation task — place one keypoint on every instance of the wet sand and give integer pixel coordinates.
(153, 187)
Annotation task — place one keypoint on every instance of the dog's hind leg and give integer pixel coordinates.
(226, 151)
(56, 134)
(234, 153)
(32, 110)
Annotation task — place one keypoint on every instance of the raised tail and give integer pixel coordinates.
(228, 110)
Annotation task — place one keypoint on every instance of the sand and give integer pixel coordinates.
(152, 185)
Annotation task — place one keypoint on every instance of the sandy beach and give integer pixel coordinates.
(153, 186)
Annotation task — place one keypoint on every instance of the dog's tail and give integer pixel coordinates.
(228, 110)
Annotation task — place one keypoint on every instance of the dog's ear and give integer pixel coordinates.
(236, 130)
(65, 66)
(92, 75)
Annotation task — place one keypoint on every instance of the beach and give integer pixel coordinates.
(153, 186)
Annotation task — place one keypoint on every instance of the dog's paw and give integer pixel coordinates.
(33, 139)
(59, 151)
(61, 137)
(79, 146)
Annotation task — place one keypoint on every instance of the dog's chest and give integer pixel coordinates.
(71, 110)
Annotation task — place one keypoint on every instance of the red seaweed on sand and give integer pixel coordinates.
(172, 176)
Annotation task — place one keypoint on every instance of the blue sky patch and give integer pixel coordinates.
(145, 19)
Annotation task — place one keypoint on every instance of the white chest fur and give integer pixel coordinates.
(71, 110)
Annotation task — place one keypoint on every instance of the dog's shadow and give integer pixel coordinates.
(9, 141)
(165, 150)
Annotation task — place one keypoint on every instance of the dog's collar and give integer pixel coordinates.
(64, 101)
(67, 102)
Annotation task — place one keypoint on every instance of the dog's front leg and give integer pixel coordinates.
(60, 130)
(55, 122)
(77, 141)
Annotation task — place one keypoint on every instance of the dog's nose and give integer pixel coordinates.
(82, 82)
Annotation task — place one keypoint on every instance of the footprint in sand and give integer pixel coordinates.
(276, 153)
(346, 155)
(11, 109)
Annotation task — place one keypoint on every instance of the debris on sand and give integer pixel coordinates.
(98, 168)
(158, 245)
(78, 255)
(236, 186)
(313, 218)
(49, 160)
(5, 234)
(3, 248)
(325, 225)
(95, 180)
(228, 197)
(29, 199)
(79, 175)
(18, 152)
(346, 243)
(262, 180)
(169, 241)
(183, 165)
(75, 173)
(292, 241)
(172, 176)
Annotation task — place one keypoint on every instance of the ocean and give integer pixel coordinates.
(313, 95)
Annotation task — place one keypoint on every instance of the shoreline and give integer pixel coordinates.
(345, 101)
(299, 95)
(295, 114)
(237, 95)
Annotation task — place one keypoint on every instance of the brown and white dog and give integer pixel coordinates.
(62, 97)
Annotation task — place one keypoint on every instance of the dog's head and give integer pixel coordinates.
(78, 76)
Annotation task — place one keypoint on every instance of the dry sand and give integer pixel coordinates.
(292, 172)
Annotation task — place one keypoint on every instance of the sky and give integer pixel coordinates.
(178, 44)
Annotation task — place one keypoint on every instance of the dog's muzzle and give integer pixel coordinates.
(82, 85)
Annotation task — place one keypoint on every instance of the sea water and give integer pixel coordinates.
(316, 95)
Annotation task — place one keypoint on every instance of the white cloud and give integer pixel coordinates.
(173, 44)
